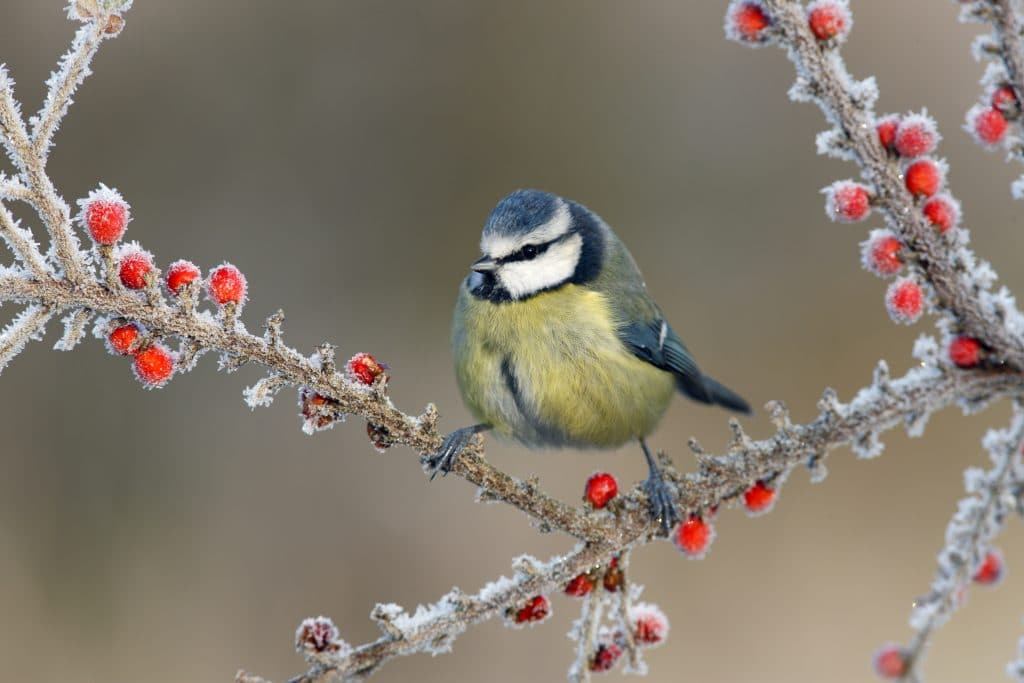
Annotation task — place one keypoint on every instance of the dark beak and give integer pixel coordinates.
(484, 265)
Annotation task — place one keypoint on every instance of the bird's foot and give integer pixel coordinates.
(660, 503)
(444, 459)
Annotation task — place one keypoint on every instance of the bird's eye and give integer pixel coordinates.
(529, 251)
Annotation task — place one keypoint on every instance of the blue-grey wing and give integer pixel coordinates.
(657, 343)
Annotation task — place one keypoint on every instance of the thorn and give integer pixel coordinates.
(740, 440)
(881, 377)
(779, 415)
(384, 616)
(273, 324)
(829, 403)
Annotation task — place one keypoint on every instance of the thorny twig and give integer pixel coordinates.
(66, 281)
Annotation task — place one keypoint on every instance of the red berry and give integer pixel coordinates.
(916, 136)
(942, 211)
(759, 498)
(181, 273)
(580, 586)
(988, 124)
(847, 201)
(1005, 100)
(133, 267)
(991, 570)
(890, 661)
(154, 365)
(828, 19)
(363, 368)
(923, 178)
(601, 487)
(613, 576)
(746, 22)
(536, 609)
(965, 352)
(650, 625)
(605, 658)
(905, 301)
(105, 214)
(886, 127)
(317, 635)
(693, 536)
(122, 339)
(882, 253)
(226, 284)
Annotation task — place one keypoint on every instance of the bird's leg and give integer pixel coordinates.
(444, 459)
(659, 496)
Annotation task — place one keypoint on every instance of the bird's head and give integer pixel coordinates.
(533, 242)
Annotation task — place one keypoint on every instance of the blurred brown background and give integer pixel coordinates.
(345, 155)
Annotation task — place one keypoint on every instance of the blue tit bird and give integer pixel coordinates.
(558, 344)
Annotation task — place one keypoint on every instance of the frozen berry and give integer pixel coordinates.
(924, 178)
(916, 136)
(122, 340)
(650, 625)
(987, 124)
(317, 635)
(580, 586)
(693, 536)
(607, 655)
(829, 19)
(942, 211)
(886, 127)
(747, 22)
(154, 365)
(613, 576)
(890, 661)
(847, 201)
(536, 608)
(965, 352)
(363, 368)
(226, 284)
(991, 569)
(882, 253)
(181, 273)
(905, 301)
(133, 267)
(104, 214)
(759, 498)
(601, 487)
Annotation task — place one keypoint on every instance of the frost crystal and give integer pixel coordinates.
(868, 446)
(74, 329)
(926, 349)
(262, 393)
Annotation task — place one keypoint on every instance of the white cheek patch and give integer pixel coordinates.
(552, 268)
(499, 246)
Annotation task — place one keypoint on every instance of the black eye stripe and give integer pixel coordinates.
(532, 251)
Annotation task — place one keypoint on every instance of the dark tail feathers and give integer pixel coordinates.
(707, 390)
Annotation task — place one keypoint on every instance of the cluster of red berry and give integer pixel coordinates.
(105, 216)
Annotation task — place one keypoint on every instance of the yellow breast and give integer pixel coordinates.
(551, 370)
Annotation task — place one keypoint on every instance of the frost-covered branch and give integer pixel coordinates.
(720, 479)
(140, 312)
(902, 180)
(996, 119)
(968, 553)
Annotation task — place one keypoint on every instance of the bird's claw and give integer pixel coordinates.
(660, 503)
(444, 459)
